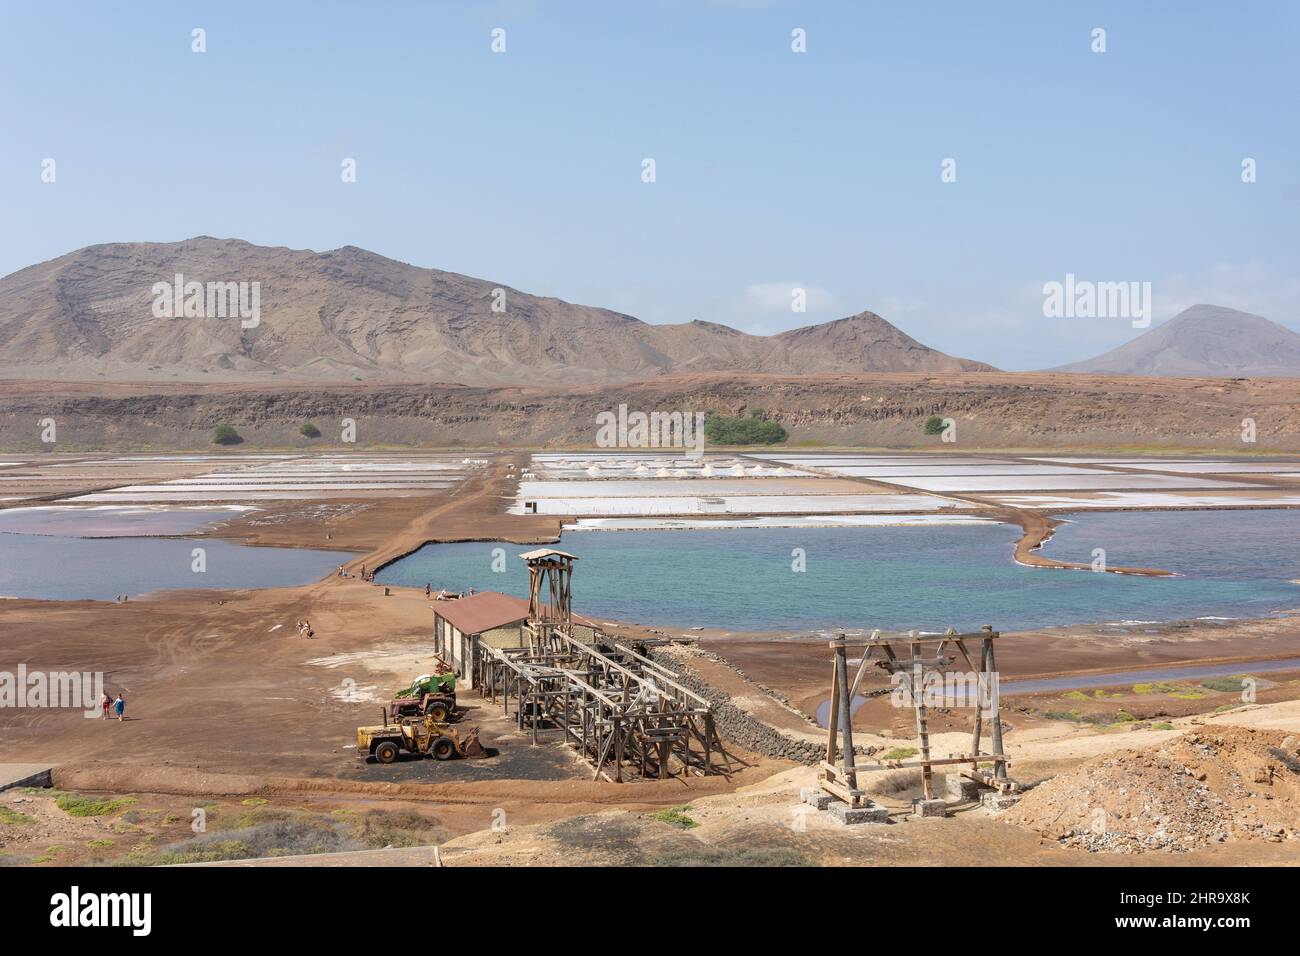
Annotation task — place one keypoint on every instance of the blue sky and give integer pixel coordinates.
(773, 169)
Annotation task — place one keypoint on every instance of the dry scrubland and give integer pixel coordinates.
(992, 410)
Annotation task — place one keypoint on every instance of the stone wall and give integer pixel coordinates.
(741, 727)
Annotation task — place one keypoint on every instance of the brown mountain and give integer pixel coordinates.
(350, 314)
(1204, 341)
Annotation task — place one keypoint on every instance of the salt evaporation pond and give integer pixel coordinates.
(1231, 564)
(76, 554)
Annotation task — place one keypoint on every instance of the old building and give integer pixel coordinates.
(492, 618)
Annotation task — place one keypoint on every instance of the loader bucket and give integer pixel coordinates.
(470, 746)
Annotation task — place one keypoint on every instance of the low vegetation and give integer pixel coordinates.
(1177, 691)
(735, 430)
(308, 430)
(742, 856)
(899, 753)
(226, 435)
(77, 805)
(271, 832)
(676, 816)
(1228, 685)
(14, 818)
(934, 425)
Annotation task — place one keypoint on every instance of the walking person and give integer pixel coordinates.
(119, 706)
(105, 702)
(426, 590)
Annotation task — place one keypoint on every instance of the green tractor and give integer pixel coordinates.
(429, 695)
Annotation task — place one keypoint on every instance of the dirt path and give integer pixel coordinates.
(1038, 530)
(475, 511)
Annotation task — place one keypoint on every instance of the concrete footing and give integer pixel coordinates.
(961, 788)
(850, 816)
(815, 797)
(929, 808)
(999, 801)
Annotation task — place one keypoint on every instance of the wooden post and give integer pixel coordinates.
(991, 668)
(833, 715)
(846, 712)
(916, 680)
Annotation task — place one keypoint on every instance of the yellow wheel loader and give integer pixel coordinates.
(421, 736)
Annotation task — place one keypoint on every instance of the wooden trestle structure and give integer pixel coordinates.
(839, 771)
(625, 714)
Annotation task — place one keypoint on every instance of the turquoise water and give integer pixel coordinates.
(1233, 564)
(68, 568)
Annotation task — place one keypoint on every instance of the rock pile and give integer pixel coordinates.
(1229, 783)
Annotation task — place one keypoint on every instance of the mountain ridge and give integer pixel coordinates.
(350, 313)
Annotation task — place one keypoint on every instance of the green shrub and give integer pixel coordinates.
(899, 753)
(676, 816)
(1229, 685)
(934, 425)
(14, 818)
(225, 435)
(75, 805)
(308, 430)
(733, 430)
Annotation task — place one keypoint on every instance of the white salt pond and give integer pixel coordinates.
(634, 487)
(775, 521)
(110, 521)
(1200, 467)
(1154, 500)
(1119, 482)
(735, 504)
(891, 472)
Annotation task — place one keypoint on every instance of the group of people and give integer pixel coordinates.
(304, 628)
(343, 573)
(107, 703)
(444, 594)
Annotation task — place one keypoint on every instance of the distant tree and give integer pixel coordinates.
(737, 430)
(934, 425)
(225, 435)
(309, 430)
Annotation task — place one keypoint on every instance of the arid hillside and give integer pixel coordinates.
(992, 410)
(351, 315)
(1205, 340)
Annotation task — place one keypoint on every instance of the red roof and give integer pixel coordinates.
(482, 612)
(485, 611)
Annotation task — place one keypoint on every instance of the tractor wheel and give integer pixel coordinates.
(444, 748)
(438, 710)
(386, 752)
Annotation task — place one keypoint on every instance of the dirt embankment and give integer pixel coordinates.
(1038, 529)
(991, 409)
